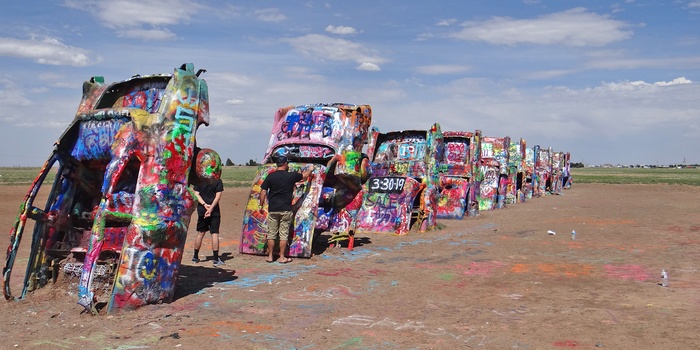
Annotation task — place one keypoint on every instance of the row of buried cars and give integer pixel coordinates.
(117, 213)
(367, 181)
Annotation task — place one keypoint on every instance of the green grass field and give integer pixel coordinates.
(637, 176)
(238, 176)
(232, 176)
(242, 176)
(21, 176)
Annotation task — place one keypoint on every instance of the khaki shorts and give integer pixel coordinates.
(278, 223)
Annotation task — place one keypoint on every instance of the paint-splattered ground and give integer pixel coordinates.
(499, 281)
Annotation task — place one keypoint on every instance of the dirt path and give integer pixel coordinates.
(498, 281)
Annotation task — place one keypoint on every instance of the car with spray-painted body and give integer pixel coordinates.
(328, 138)
(515, 186)
(458, 186)
(529, 170)
(542, 180)
(567, 179)
(558, 169)
(402, 191)
(119, 208)
(493, 172)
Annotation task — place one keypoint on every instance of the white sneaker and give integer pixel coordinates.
(218, 262)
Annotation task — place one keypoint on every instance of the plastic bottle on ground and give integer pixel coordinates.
(664, 278)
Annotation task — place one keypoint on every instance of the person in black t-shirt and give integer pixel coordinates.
(278, 186)
(209, 217)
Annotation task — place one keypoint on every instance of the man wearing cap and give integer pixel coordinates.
(278, 186)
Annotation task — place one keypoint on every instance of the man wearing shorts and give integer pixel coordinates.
(208, 217)
(278, 186)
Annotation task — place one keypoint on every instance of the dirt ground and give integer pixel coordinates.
(497, 281)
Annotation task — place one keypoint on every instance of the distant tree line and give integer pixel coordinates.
(250, 163)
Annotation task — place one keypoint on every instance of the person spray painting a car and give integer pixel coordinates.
(278, 190)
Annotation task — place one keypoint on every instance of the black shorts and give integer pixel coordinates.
(210, 224)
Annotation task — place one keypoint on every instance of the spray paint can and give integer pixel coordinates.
(573, 235)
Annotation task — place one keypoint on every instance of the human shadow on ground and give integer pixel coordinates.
(193, 279)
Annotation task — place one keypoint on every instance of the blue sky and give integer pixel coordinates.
(610, 82)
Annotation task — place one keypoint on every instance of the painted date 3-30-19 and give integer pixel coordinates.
(387, 184)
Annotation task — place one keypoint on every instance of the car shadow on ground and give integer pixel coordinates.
(360, 241)
(321, 244)
(195, 278)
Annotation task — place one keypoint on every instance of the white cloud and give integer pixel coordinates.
(31, 106)
(47, 51)
(270, 15)
(469, 87)
(575, 27)
(304, 73)
(424, 36)
(677, 81)
(545, 74)
(231, 79)
(148, 34)
(11, 96)
(234, 101)
(368, 67)
(639, 84)
(130, 17)
(131, 13)
(228, 12)
(341, 30)
(446, 22)
(441, 69)
(618, 62)
(322, 47)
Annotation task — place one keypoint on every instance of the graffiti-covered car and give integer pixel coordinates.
(566, 178)
(118, 211)
(493, 171)
(402, 190)
(529, 169)
(516, 184)
(457, 184)
(542, 176)
(558, 169)
(328, 138)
